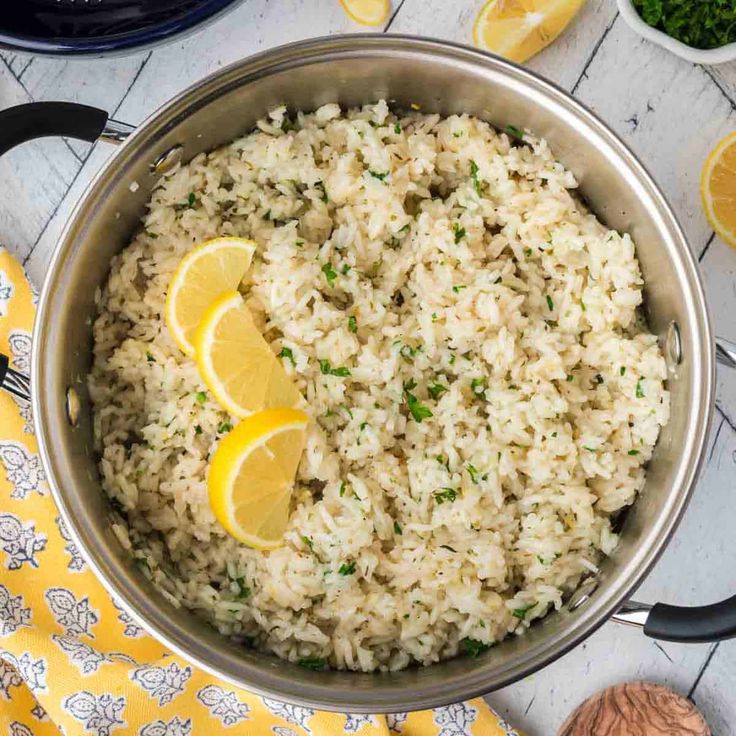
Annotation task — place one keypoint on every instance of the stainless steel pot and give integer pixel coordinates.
(352, 70)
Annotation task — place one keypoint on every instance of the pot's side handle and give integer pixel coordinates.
(687, 624)
(70, 119)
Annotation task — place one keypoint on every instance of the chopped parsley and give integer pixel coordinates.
(520, 613)
(347, 568)
(457, 288)
(589, 449)
(223, 427)
(397, 128)
(197, 429)
(550, 303)
(444, 462)
(478, 386)
(448, 548)
(639, 389)
(313, 663)
(473, 473)
(459, 232)
(191, 199)
(436, 390)
(378, 175)
(321, 185)
(328, 370)
(201, 397)
(622, 370)
(527, 252)
(352, 324)
(434, 317)
(514, 132)
(345, 270)
(343, 486)
(308, 541)
(446, 494)
(570, 378)
(287, 353)
(150, 358)
(633, 452)
(457, 134)
(418, 410)
(151, 235)
(397, 528)
(243, 589)
(330, 273)
(474, 648)
(477, 183)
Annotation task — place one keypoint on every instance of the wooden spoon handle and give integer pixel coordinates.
(636, 709)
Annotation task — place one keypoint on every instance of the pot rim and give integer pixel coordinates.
(384, 698)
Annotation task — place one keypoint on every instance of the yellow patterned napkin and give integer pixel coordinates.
(73, 662)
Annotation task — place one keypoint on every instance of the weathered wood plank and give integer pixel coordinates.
(562, 62)
(668, 111)
(34, 178)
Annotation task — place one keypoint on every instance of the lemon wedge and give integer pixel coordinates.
(252, 476)
(718, 189)
(236, 362)
(367, 12)
(204, 273)
(518, 29)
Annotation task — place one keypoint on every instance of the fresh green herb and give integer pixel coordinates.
(363, 425)
(448, 548)
(378, 175)
(582, 306)
(150, 358)
(407, 352)
(308, 541)
(446, 494)
(473, 473)
(633, 452)
(330, 273)
(478, 386)
(347, 410)
(197, 429)
(474, 648)
(639, 389)
(527, 252)
(243, 589)
(702, 25)
(287, 353)
(299, 243)
(352, 324)
(191, 199)
(418, 410)
(313, 663)
(223, 427)
(328, 370)
(550, 303)
(201, 397)
(520, 613)
(343, 486)
(397, 128)
(459, 232)
(397, 528)
(436, 390)
(514, 132)
(321, 185)
(452, 360)
(347, 568)
(151, 235)
(458, 288)
(434, 316)
(589, 449)
(622, 370)
(570, 378)
(498, 280)
(443, 461)
(477, 183)
(457, 134)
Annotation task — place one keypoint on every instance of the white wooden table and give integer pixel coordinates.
(669, 111)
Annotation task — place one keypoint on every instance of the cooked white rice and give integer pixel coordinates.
(467, 264)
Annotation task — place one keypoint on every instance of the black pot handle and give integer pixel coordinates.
(70, 119)
(687, 624)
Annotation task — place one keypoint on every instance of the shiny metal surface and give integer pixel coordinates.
(632, 614)
(442, 78)
(116, 132)
(726, 352)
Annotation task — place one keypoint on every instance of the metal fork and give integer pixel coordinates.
(14, 382)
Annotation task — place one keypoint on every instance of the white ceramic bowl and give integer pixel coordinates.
(698, 56)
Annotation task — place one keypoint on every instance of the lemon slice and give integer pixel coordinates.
(518, 29)
(367, 12)
(204, 273)
(236, 362)
(718, 189)
(252, 475)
